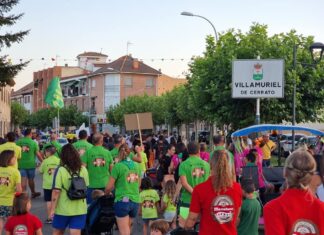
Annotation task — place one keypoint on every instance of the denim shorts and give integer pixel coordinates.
(61, 222)
(123, 209)
(29, 173)
(5, 211)
(47, 195)
(169, 216)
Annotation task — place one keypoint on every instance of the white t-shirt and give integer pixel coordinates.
(320, 192)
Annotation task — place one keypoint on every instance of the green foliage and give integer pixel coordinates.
(70, 116)
(18, 113)
(8, 70)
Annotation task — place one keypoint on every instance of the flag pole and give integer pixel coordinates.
(58, 122)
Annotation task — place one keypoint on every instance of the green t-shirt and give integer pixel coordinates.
(82, 146)
(56, 145)
(171, 207)
(114, 154)
(127, 181)
(29, 149)
(65, 206)
(196, 171)
(98, 161)
(9, 178)
(143, 163)
(12, 146)
(148, 199)
(249, 217)
(47, 168)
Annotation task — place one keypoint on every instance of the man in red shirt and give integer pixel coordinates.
(218, 200)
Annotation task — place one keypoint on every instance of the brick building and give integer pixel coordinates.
(24, 96)
(5, 111)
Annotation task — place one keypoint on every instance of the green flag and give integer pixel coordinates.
(54, 97)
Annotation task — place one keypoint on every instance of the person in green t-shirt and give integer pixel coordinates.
(118, 140)
(82, 145)
(248, 220)
(143, 164)
(149, 203)
(125, 178)
(27, 163)
(53, 142)
(47, 168)
(64, 211)
(99, 163)
(10, 182)
(192, 172)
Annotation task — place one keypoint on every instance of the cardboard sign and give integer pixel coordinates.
(138, 121)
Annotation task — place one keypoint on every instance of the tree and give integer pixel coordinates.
(18, 114)
(71, 116)
(8, 70)
(210, 78)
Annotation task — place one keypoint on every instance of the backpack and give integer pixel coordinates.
(78, 187)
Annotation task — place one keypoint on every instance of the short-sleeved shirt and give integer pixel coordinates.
(196, 171)
(29, 149)
(170, 206)
(217, 148)
(56, 145)
(218, 211)
(82, 146)
(48, 168)
(114, 154)
(98, 161)
(266, 149)
(249, 217)
(296, 211)
(144, 162)
(148, 199)
(23, 224)
(65, 206)
(127, 181)
(9, 178)
(12, 146)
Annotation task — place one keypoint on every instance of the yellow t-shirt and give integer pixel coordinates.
(12, 146)
(266, 149)
(9, 178)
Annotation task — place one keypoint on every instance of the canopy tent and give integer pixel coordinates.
(268, 127)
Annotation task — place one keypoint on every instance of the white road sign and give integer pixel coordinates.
(258, 78)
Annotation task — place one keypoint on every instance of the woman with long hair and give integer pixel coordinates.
(217, 200)
(67, 212)
(297, 210)
(125, 178)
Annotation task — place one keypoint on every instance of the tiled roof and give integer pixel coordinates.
(91, 53)
(24, 90)
(124, 64)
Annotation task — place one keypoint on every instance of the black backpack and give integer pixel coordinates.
(78, 187)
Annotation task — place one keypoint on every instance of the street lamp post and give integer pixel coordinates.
(316, 50)
(185, 13)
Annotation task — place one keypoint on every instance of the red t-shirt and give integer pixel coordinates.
(295, 212)
(23, 224)
(218, 211)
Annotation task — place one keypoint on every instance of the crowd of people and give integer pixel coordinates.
(173, 187)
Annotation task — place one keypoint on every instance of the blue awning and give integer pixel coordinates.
(269, 127)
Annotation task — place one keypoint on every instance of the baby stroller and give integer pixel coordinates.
(100, 217)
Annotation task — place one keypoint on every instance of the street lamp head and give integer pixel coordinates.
(317, 50)
(186, 13)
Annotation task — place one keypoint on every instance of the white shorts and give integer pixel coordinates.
(169, 216)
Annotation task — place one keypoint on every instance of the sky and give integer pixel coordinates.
(63, 29)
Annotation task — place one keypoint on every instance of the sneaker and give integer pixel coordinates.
(48, 221)
(37, 194)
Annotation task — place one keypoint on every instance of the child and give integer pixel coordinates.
(159, 227)
(21, 221)
(47, 168)
(144, 162)
(168, 206)
(10, 182)
(149, 203)
(204, 155)
(250, 211)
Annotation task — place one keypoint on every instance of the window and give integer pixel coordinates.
(149, 82)
(128, 82)
(93, 83)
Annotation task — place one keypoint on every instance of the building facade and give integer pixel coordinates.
(24, 96)
(5, 111)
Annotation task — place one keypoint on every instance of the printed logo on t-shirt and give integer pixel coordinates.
(81, 151)
(304, 227)
(25, 148)
(222, 209)
(51, 171)
(198, 172)
(99, 162)
(148, 204)
(20, 230)
(132, 177)
(4, 181)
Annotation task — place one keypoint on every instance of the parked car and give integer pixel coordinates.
(62, 141)
(286, 147)
(307, 140)
(282, 139)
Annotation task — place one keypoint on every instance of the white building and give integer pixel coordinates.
(24, 96)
